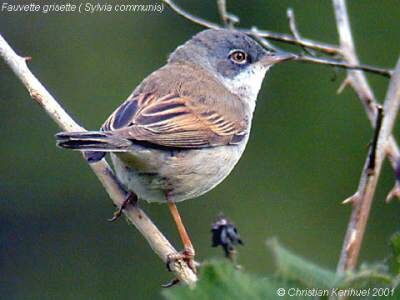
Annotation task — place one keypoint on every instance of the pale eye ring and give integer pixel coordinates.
(238, 56)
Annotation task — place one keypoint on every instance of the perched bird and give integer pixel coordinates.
(184, 128)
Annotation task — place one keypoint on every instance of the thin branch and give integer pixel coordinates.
(223, 13)
(374, 143)
(344, 65)
(160, 245)
(395, 191)
(357, 79)
(262, 35)
(385, 144)
(290, 39)
(228, 19)
(282, 37)
(294, 30)
(263, 41)
(362, 199)
(191, 17)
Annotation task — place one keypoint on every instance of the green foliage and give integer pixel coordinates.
(292, 267)
(222, 280)
(375, 275)
(395, 259)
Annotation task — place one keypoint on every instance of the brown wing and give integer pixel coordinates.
(173, 121)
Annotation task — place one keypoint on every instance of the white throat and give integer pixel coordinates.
(247, 84)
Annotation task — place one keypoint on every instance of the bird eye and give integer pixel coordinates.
(238, 57)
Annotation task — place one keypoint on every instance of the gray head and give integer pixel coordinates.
(236, 59)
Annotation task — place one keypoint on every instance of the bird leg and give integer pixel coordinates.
(131, 198)
(188, 253)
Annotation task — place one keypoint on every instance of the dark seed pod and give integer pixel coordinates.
(225, 234)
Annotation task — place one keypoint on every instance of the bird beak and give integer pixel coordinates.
(271, 58)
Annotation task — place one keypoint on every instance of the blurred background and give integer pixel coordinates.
(305, 155)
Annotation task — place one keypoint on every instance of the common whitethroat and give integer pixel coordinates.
(184, 128)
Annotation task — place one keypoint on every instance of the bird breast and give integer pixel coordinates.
(162, 175)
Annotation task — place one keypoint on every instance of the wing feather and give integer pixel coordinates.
(174, 121)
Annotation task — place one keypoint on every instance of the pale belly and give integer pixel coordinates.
(158, 175)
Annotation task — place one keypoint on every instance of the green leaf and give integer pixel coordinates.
(221, 280)
(395, 259)
(293, 267)
(375, 275)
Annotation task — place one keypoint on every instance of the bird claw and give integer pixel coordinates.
(186, 255)
(116, 215)
(394, 193)
(130, 199)
(171, 283)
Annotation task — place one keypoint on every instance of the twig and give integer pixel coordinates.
(262, 35)
(191, 17)
(290, 39)
(295, 31)
(223, 13)
(357, 79)
(335, 63)
(374, 143)
(160, 245)
(395, 191)
(227, 18)
(362, 199)
(263, 41)
(286, 38)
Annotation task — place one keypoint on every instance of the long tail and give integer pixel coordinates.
(94, 143)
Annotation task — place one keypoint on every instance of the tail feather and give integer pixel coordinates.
(94, 143)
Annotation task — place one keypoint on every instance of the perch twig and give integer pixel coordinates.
(157, 241)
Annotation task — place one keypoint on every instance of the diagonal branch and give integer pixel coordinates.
(160, 245)
(363, 198)
(386, 143)
(356, 79)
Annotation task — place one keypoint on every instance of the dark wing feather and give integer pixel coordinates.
(173, 121)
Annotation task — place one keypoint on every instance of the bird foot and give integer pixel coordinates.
(186, 255)
(130, 199)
